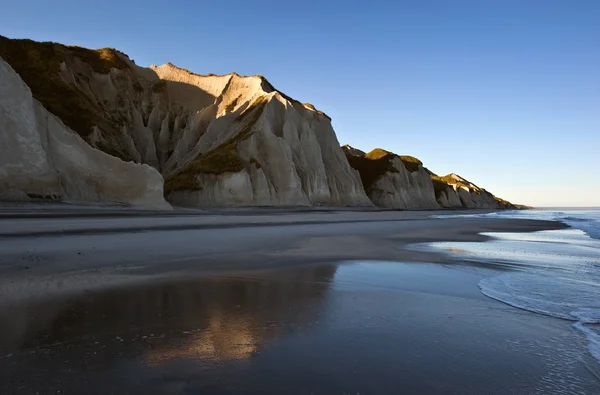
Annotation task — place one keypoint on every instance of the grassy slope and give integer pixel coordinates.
(411, 163)
(376, 163)
(440, 185)
(38, 64)
(372, 165)
(222, 159)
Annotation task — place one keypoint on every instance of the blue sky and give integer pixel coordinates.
(504, 93)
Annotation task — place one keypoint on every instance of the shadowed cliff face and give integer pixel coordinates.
(217, 140)
(394, 181)
(40, 157)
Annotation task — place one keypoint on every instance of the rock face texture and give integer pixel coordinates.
(455, 192)
(90, 125)
(349, 150)
(217, 140)
(401, 182)
(388, 181)
(42, 158)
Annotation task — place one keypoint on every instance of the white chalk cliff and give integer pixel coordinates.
(462, 193)
(217, 140)
(42, 158)
(256, 146)
(391, 182)
(90, 125)
(401, 182)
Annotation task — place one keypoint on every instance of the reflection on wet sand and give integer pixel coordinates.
(363, 327)
(221, 319)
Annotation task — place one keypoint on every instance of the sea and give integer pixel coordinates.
(555, 272)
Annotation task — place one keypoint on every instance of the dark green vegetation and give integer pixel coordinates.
(101, 60)
(38, 64)
(372, 165)
(137, 87)
(259, 102)
(159, 86)
(411, 163)
(222, 159)
(379, 153)
(440, 185)
(376, 163)
(231, 106)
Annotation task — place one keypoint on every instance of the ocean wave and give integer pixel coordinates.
(576, 219)
(558, 273)
(586, 220)
(590, 227)
(569, 298)
(593, 338)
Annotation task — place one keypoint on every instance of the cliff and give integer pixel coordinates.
(90, 125)
(454, 191)
(40, 157)
(392, 182)
(217, 140)
(401, 182)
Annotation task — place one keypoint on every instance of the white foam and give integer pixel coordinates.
(587, 317)
(593, 338)
(566, 297)
(585, 220)
(591, 227)
(559, 270)
(559, 297)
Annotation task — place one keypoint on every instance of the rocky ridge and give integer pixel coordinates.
(225, 140)
(401, 182)
(41, 158)
(453, 191)
(217, 140)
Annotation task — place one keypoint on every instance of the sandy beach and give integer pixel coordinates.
(265, 301)
(46, 251)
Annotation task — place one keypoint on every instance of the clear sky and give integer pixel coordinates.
(504, 93)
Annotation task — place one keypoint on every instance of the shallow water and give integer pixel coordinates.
(556, 273)
(587, 220)
(355, 327)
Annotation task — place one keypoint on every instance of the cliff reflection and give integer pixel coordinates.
(219, 319)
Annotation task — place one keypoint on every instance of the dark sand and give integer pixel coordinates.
(262, 303)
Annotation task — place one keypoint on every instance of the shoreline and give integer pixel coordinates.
(47, 257)
(277, 309)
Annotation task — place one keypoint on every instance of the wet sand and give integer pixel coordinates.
(303, 302)
(48, 251)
